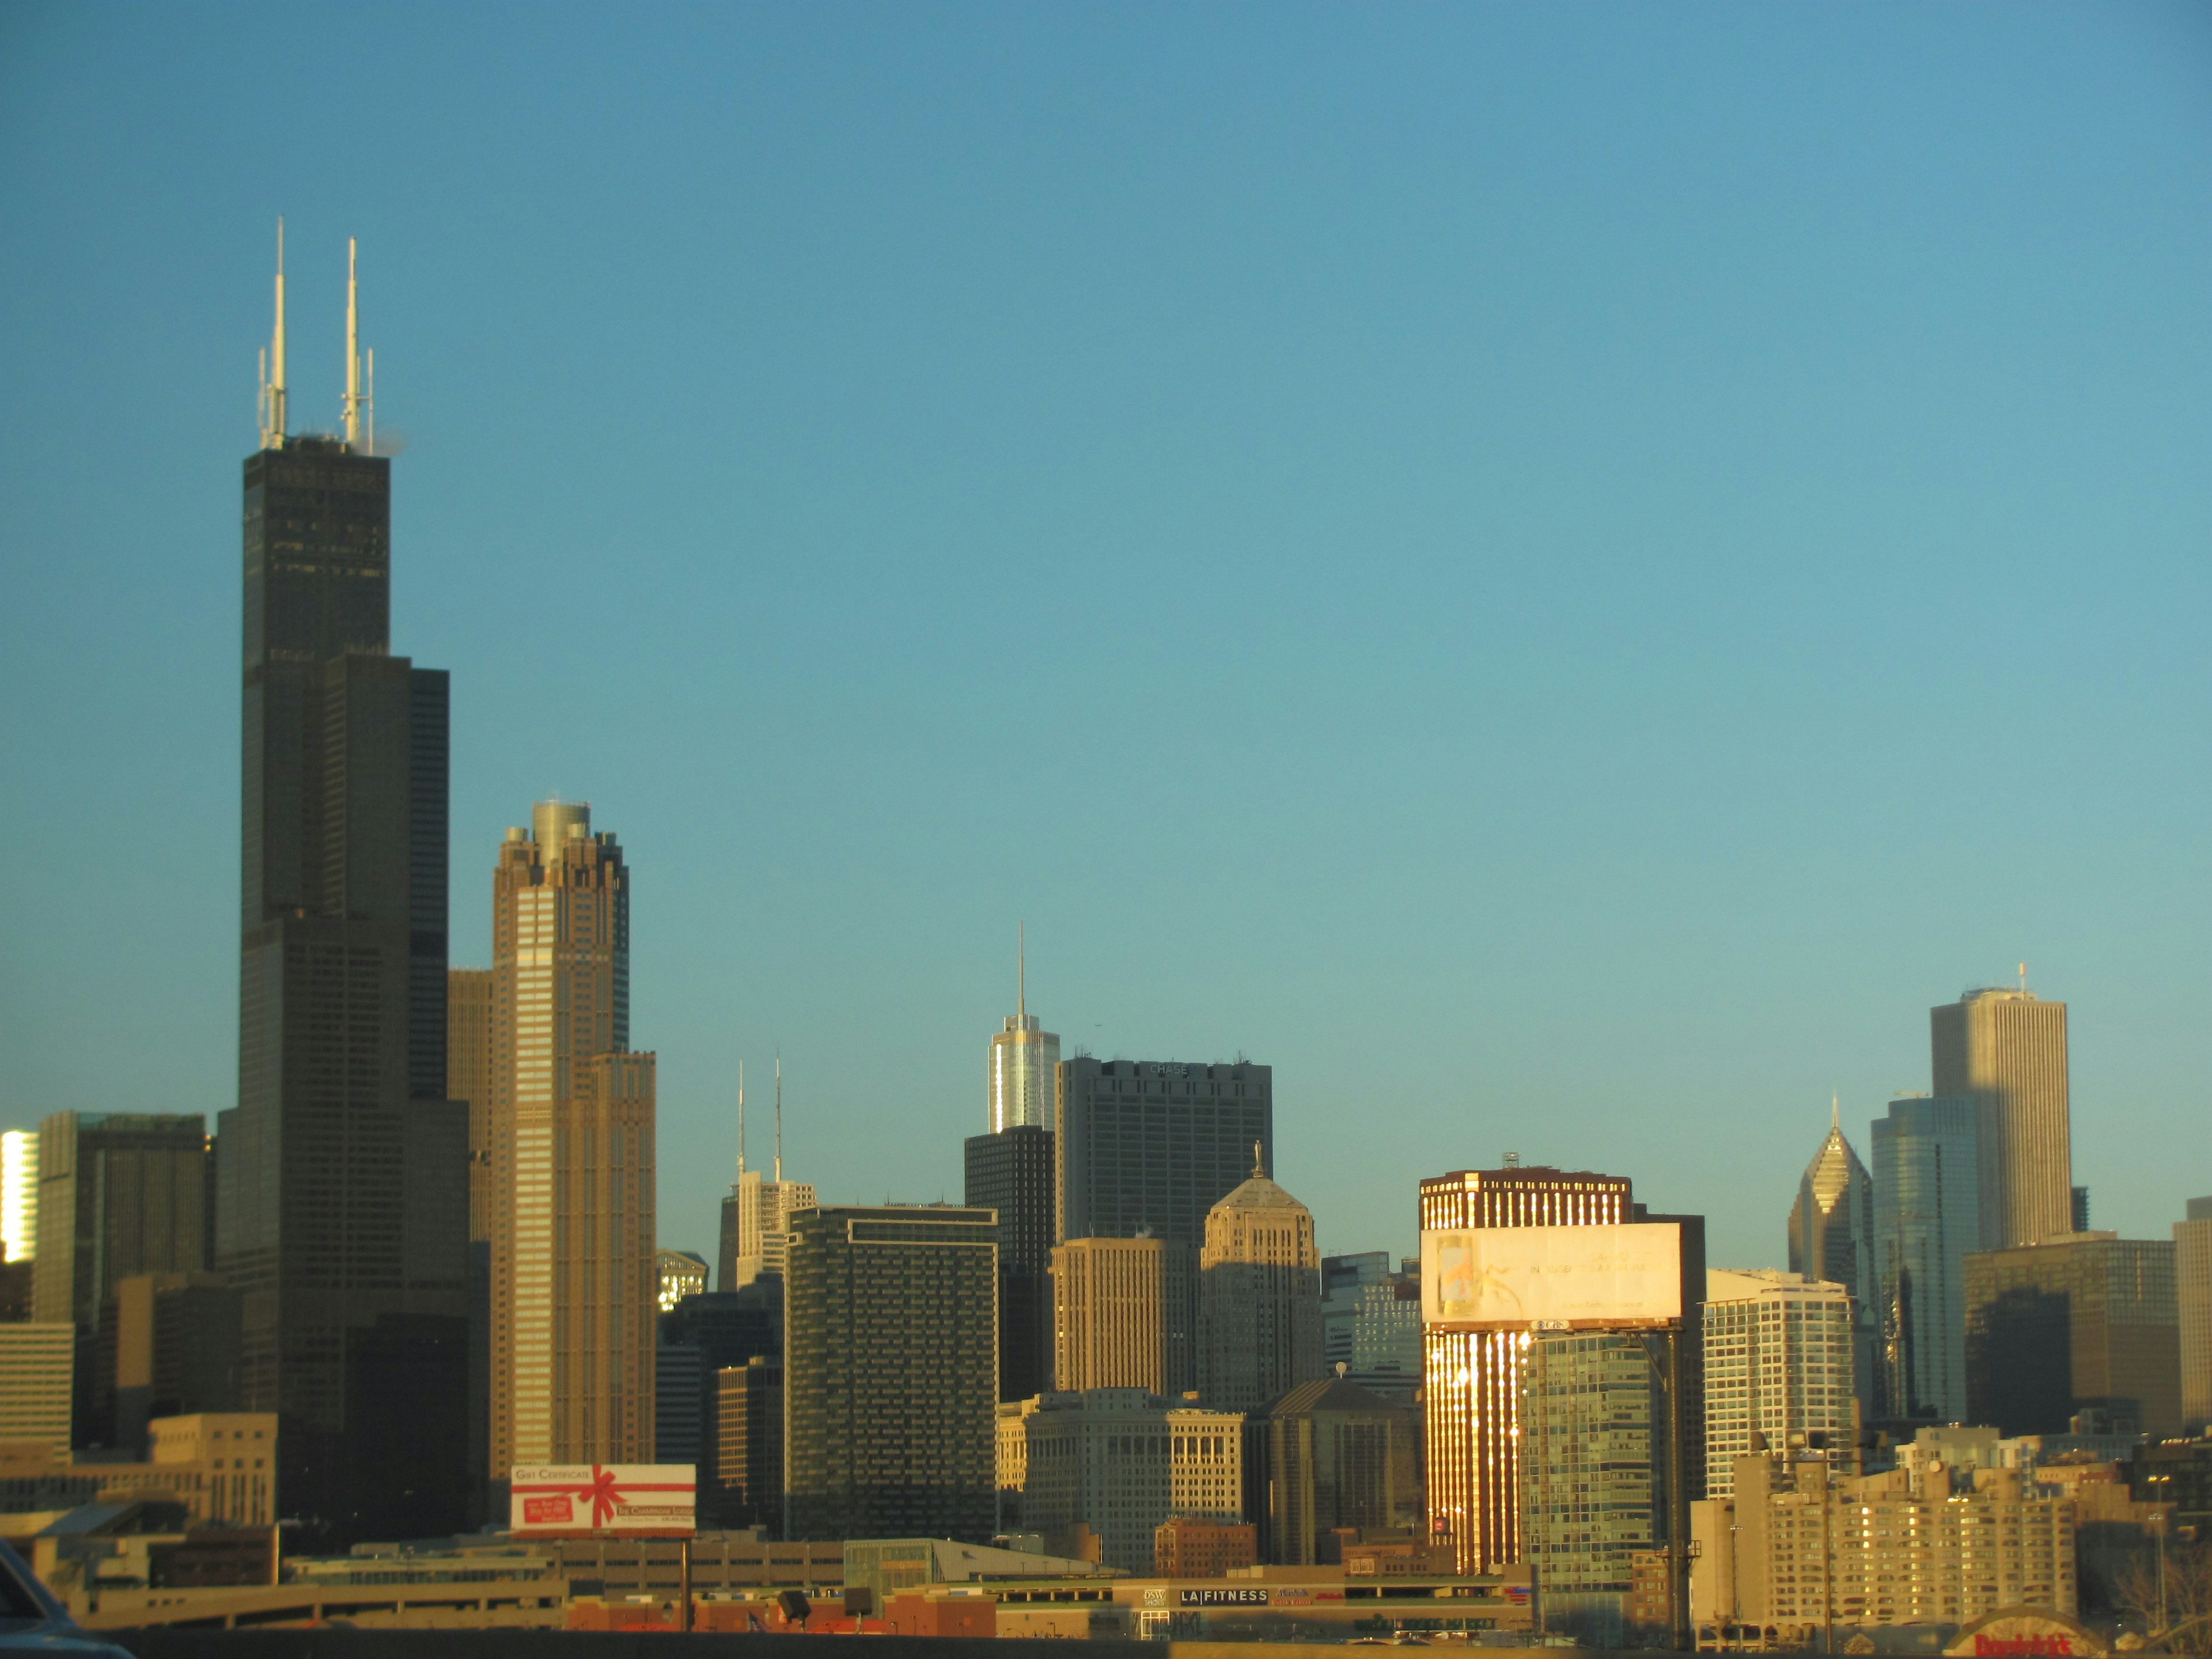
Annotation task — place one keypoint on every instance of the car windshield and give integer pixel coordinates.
(18, 1603)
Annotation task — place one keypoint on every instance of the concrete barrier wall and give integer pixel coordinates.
(335, 1644)
(339, 1644)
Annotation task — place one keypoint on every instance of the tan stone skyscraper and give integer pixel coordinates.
(1115, 1308)
(1259, 1298)
(572, 1136)
(1471, 1392)
(2005, 1050)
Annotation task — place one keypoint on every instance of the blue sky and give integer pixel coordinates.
(1559, 574)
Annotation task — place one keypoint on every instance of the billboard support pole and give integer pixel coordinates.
(684, 1585)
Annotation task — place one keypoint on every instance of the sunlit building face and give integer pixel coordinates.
(1472, 1379)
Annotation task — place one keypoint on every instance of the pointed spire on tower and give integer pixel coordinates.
(1022, 973)
(1836, 1112)
(273, 420)
(779, 1112)
(741, 1120)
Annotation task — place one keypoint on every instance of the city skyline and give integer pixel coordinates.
(1439, 523)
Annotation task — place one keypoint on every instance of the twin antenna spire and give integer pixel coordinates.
(778, 1117)
(360, 403)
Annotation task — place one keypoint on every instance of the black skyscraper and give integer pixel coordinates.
(342, 1171)
(1148, 1145)
(1011, 1172)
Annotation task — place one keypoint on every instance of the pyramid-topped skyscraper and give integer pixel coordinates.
(1832, 1239)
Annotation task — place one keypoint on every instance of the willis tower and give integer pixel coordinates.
(343, 1172)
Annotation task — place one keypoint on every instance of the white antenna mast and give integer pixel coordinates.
(741, 1120)
(272, 363)
(779, 1113)
(1021, 973)
(353, 349)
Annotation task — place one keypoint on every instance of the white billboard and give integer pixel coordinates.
(1519, 1279)
(606, 1500)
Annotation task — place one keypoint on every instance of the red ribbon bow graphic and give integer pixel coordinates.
(602, 1493)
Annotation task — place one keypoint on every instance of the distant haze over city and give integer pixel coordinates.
(1557, 577)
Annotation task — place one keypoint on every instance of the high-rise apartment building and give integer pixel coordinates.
(1831, 1238)
(2082, 1324)
(749, 1443)
(702, 1337)
(1118, 1307)
(2005, 1050)
(1338, 1457)
(1010, 1174)
(1927, 1215)
(118, 1194)
(1800, 1547)
(168, 1347)
(1778, 1364)
(1370, 1323)
(2192, 1291)
(1151, 1145)
(37, 1365)
(1011, 1457)
(343, 1173)
(18, 1224)
(1025, 1064)
(471, 1044)
(19, 1195)
(1121, 1461)
(1259, 1298)
(1594, 1475)
(471, 1041)
(889, 1373)
(759, 1209)
(1471, 1380)
(573, 1254)
(678, 1275)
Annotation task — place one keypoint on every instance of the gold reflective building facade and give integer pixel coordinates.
(2005, 1050)
(1471, 1380)
(1116, 1304)
(574, 1271)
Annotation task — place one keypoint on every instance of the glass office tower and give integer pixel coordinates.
(1927, 1216)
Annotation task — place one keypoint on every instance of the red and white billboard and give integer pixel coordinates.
(602, 1500)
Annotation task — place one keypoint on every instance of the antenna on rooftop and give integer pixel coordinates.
(779, 1112)
(272, 363)
(741, 1120)
(360, 403)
